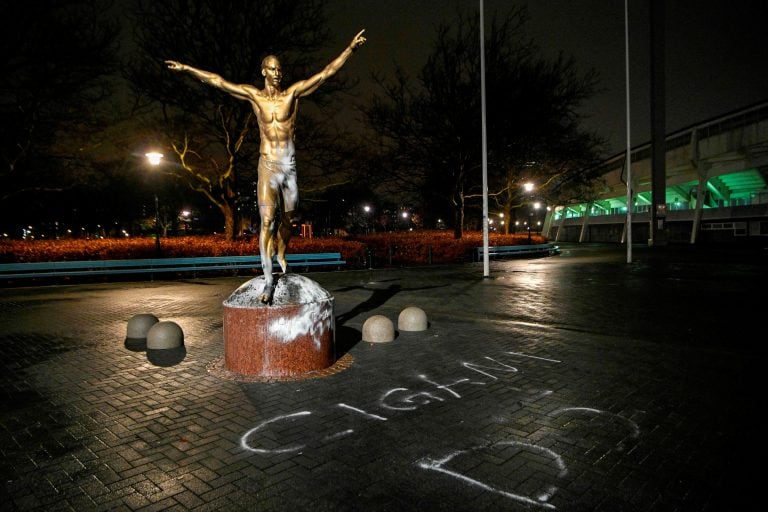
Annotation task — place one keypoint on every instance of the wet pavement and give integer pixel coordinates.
(573, 382)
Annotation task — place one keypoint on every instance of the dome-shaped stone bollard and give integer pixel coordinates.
(139, 326)
(378, 329)
(165, 335)
(412, 318)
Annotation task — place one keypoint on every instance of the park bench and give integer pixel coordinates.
(500, 251)
(158, 265)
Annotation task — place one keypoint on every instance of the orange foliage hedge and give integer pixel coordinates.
(398, 248)
(417, 247)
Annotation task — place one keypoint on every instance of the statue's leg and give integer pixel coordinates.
(283, 237)
(290, 199)
(267, 250)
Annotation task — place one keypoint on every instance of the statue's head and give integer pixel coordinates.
(271, 71)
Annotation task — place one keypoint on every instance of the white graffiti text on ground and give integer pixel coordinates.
(542, 497)
(403, 400)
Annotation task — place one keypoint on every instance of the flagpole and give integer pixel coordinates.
(629, 144)
(486, 264)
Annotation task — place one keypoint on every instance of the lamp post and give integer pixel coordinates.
(367, 209)
(154, 159)
(536, 207)
(530, 217)
(528, 187)
(186, 217)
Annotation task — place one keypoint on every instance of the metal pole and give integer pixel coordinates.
(530, 222)
(157, 227)
(486, 263)
(154, 160)
(629, 144)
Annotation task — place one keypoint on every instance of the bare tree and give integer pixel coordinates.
(56, 62)
(431, 130)
(213, 135)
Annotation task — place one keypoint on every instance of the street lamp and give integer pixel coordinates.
(404, 215)
(367, 209)
(536, 207)
(528, 187)
(154, 159)
(186, 217)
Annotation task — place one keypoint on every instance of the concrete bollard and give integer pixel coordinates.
(139, 325)
(412, 318)
(378, 329)
(165, 335)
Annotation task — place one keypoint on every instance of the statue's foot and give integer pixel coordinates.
(266, 296)
(267, 293)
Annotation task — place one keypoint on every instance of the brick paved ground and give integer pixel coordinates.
(573, 382)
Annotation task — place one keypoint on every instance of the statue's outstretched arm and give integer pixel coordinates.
(210, 78)
(308, 86)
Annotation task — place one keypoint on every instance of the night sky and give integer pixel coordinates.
(716, 52)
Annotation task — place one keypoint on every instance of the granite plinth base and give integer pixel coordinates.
(293, 335)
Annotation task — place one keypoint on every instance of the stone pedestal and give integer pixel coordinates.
(292, 336)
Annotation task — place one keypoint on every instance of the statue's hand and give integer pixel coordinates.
(172, 64)
(358, 40)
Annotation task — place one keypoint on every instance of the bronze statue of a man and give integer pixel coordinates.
(275, 110)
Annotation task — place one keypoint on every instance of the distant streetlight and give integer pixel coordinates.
(537, 206)
(405, 218)
(528, 187)
(186, 219)
(154, 158)
(367, 209)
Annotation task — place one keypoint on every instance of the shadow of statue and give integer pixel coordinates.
(346, 337)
